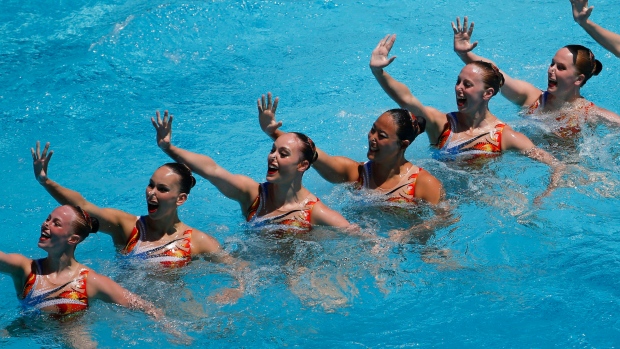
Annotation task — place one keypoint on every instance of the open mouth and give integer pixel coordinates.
(373, 147)
(44, 235)
(552, 83)
(460, 101)
(152, 207)
(271, 169)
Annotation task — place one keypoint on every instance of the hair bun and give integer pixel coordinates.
(598, 67)
(94, 223)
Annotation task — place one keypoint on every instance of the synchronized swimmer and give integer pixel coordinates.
(281, 203)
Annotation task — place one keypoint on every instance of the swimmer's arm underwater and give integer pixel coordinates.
(334, 169)
(105, 289)
(116, 223)
(513, 140)
(209, 247)
(608, 39)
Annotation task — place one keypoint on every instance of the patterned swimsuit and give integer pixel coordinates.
(571, 124)
(486, 144)
(299, 219)
(176, 253)
(403, 191)
(56, 300)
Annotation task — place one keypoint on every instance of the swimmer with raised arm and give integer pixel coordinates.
(281, 199)
(387, 171)
(608, 39)
(159, 237)
(570, 69)
(472, 131)
(58, 284)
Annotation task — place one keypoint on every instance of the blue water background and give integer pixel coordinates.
(87, 76)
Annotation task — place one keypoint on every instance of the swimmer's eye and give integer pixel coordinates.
(151, 185)
(163, 189)
(383, 135)
(284, 153)
(272, 149)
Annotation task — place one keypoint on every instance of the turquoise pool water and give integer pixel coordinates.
(87, 77)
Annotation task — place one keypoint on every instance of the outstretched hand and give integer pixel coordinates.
(40, 161)
(581, 11)
(462, 36)
(164, 129)
(379, 57)
(267, 115)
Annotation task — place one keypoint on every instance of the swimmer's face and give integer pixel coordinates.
(163, 193)
(57, 231)
(562, 75)
(383, 142)
(470, 89)
(285, 160)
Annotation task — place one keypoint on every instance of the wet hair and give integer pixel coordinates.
(84, 224)
(187, 179)
(584, 62)
(308, 149)
(408, 126)
(491, 76)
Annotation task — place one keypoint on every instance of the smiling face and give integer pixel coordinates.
(163, 194)
(383, 142)
(470, 89)
(57, 231)
(285, 160)
(562, 75)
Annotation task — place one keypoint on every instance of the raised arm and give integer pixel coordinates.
(518, 92)
(17, 266)
(334, 169)
(237, 187)
(116, 223)
(608, 39)
(400, 93)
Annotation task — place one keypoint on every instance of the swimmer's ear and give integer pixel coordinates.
(404, 144)
(303, 166)
(488, 93)
(580, 79)
(181, 199)
(74, 239)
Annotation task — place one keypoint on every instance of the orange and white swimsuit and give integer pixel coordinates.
(571, 124)
(298, 219)
(65, 299)
(485, 144)
(403, 191)
(175, 253)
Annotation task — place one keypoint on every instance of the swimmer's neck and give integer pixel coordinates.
(56, 263)
(156, 229)
(286, 194)
(557, 101)
(381, 172)
(480, 118)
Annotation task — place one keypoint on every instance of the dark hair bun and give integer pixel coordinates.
(94, 223)
(598, 66)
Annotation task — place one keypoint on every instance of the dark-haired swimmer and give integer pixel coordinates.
(386, 171)
(281, 200)
(570, 69)
(471, 131)
(159, 237)
(608, 39)
(58, 284)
